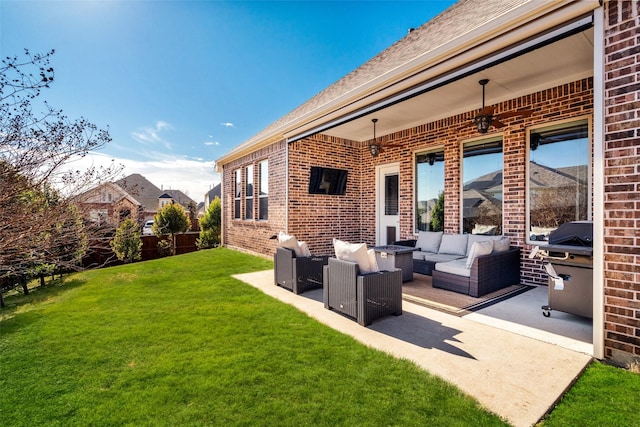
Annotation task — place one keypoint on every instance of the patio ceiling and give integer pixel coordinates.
(563, 61)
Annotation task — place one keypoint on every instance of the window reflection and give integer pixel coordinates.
(429, 191)
(558, 178)
(482, 191)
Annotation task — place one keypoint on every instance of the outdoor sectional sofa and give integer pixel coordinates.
(471, 264)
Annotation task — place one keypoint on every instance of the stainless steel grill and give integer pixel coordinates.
(569, 263)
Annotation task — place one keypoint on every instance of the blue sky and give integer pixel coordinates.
(180, 83)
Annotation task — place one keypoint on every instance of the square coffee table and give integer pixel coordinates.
(396, 256)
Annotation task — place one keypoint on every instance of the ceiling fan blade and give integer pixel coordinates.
(466, 125)
(523, 113)
(486, 111)
(497, 123)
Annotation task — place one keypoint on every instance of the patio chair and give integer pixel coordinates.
(298, 273)
(363, 297)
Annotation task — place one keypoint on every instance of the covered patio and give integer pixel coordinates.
(534, 72)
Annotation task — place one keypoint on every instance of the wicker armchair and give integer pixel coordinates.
(298, 274)
(363, 297)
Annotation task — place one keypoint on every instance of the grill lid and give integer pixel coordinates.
(575, 233)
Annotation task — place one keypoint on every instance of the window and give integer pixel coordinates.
(391, 192)
(237, 194)
(482, 191)
(430, 191)
(558, 177)
(248, 198)
(99, 216)
(263, 190)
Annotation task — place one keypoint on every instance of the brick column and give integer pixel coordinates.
(622, 181)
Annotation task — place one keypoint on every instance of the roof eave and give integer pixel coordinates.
(518, 23)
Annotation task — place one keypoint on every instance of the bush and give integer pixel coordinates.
(208, 239)
(127, 244)
(210, 225)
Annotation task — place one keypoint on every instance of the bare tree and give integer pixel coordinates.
(39, 221)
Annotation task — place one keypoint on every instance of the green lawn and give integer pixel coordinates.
(178, 342)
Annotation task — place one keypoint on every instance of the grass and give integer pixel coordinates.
(178, 341)
(603, 396)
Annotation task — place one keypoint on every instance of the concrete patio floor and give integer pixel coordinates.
(517, 377)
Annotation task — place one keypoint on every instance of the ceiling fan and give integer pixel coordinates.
(486, 118)
(375, 148)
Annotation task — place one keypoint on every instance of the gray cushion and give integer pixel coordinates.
(429, 241)
(455, 244)
(457, 267)
(479, 238)
(479, 249)
(418, 255)
(440, 257)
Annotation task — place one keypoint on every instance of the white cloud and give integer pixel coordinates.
(152, 135)
(216, 143)
(193, 177)
(227, 124)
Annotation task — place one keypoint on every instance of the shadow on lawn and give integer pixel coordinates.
(16, 300)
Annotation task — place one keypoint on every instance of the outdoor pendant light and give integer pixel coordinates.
(374, 148)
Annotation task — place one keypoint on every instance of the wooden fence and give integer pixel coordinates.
(101, 254)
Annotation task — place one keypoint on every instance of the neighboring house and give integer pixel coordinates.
(151, 197)
(208, 198)
(572, 64)
(109, 204)
(216, 191)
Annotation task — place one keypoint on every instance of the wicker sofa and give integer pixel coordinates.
(458, 262)
(363, 297)
(487, 273)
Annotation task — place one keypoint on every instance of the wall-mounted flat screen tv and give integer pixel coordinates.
(327, 181)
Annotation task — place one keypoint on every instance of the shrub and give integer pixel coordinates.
(210, 225)
(127, 244)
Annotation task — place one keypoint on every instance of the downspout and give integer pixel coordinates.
(598, 183)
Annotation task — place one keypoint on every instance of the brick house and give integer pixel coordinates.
(575, 155)
(108, 204)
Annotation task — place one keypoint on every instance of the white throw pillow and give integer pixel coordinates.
(502, 245)
(290, 242)
(304, 248)
(373, 262)
(429, 241)
(453, 244)
(354, 252)
(479, 249)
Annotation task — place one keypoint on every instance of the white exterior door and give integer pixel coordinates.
(387, 204)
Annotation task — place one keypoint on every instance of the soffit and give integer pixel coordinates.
(561, 62)
(506, 23)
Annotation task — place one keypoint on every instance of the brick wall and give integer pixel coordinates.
(316, 219)
(622, 181)
(253, 235)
